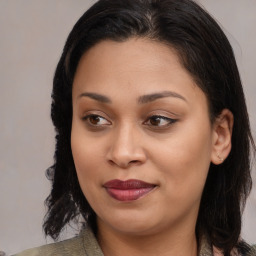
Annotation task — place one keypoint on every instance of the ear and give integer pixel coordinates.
(222, 134)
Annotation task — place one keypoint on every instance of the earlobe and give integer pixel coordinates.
(222, 130)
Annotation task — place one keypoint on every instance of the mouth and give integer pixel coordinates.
(128, 190)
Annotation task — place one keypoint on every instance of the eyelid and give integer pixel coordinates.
(169, 120)
(95, 114)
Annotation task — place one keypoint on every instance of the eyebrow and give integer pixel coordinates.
(155, 96)
(141, 100)
(96, 96)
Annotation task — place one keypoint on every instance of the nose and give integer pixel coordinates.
(126, 148)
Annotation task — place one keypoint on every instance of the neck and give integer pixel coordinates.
(169, 242)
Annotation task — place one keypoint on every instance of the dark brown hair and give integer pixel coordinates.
(206, 53)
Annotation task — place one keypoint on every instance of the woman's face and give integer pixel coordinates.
(141, 137)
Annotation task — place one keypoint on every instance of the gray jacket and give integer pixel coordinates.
(86, 244)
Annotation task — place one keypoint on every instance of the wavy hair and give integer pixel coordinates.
(206, 53)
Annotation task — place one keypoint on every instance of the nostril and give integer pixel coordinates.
(124, 164)
(134, 161)
(111, 162)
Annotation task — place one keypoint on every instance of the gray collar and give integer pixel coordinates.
(92, 247)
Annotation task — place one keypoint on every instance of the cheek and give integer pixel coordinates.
(84, 159)
(184, 159)
(85, 155)
(84, 149)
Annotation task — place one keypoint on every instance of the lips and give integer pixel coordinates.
(128, 190)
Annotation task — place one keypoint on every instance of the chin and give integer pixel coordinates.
(131, 224)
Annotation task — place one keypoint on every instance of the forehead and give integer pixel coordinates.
(134, 67)
(132, 55)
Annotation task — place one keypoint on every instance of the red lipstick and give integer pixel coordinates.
(128, 190)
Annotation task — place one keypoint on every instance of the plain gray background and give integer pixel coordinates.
(32, 35)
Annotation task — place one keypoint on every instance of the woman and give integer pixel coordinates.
(153, 138)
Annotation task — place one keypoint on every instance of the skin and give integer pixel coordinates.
(167, 141)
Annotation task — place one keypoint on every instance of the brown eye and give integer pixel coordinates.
(159, 121)
(155, 121)
(96, 120)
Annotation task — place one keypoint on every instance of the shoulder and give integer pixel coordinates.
(245, 249)
(252, 251)
(56, 249)
(206, 249)
(84, 244)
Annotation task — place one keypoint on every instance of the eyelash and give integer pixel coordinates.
(87, 119)
(168, 121)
